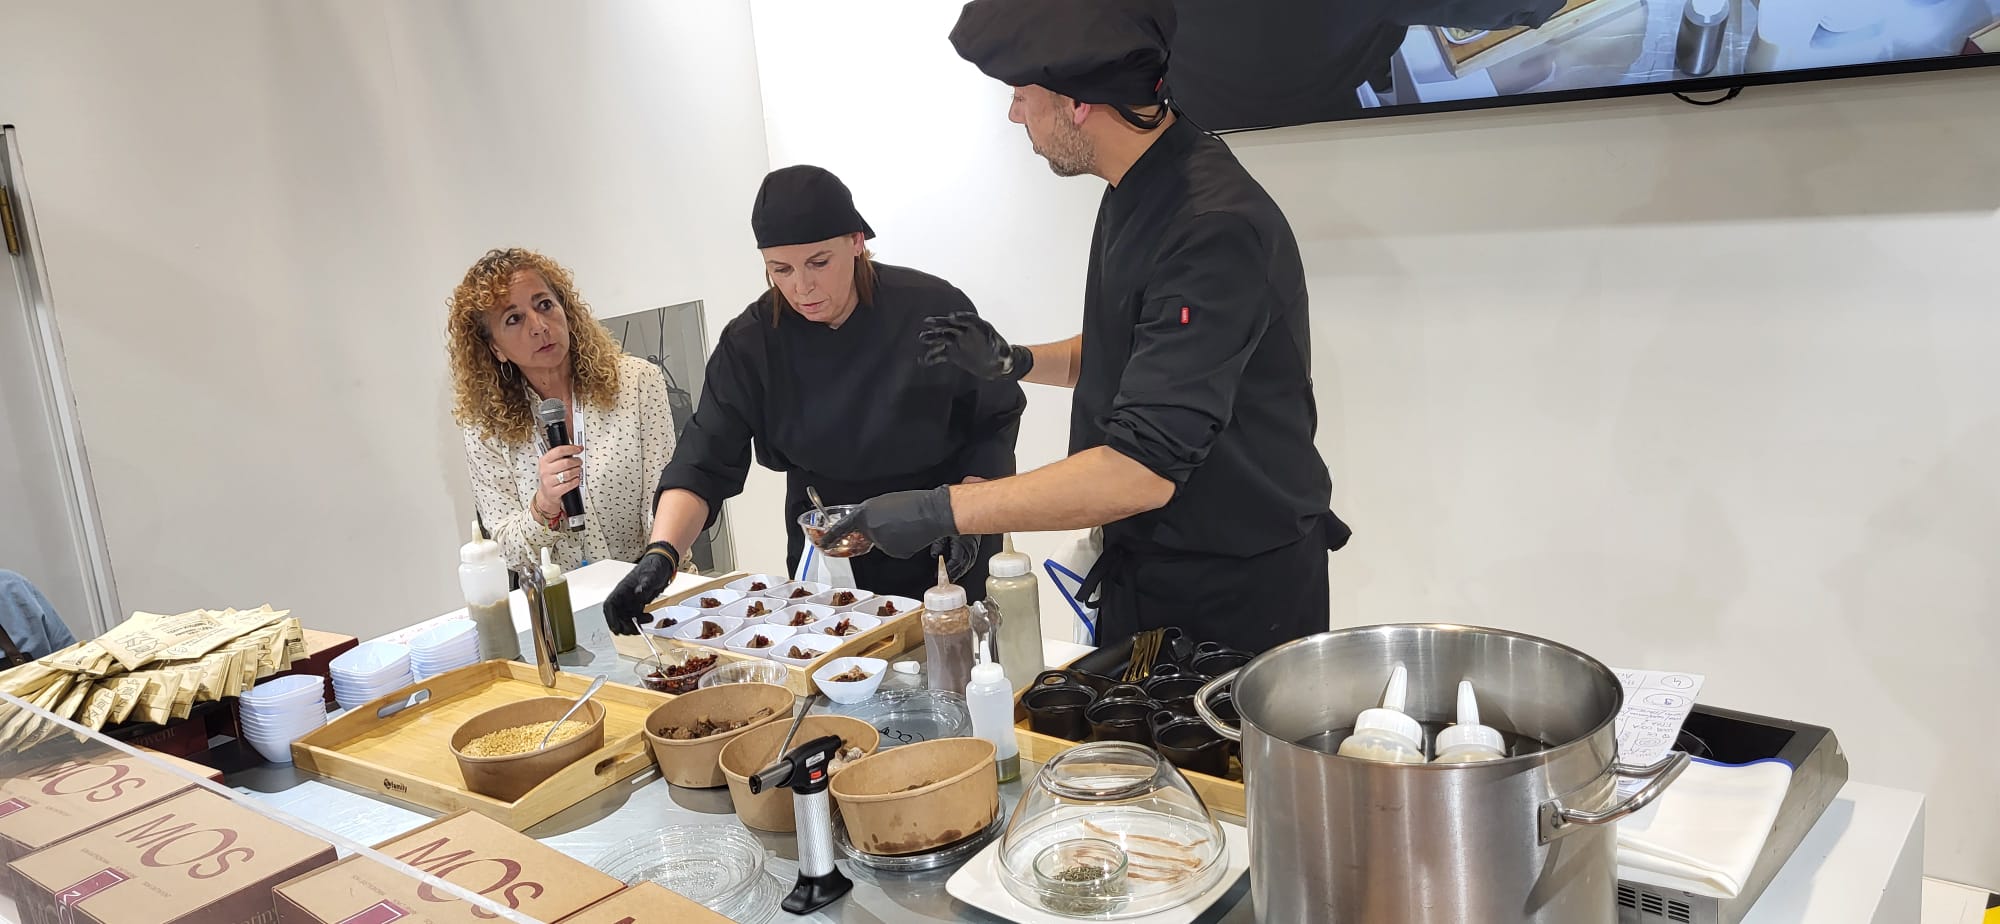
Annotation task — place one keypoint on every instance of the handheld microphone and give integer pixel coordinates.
(554, 419)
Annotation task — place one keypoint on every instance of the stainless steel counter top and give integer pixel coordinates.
(645, 803)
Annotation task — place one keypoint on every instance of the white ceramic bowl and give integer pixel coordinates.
(770, 581)
(819, 645)
(741, 609)
(740, 642)
(691, 631)
(853, 692)
(784, 592)
(447, 636)
(681, 616)
(785, 616)
(873, 607)
(722, 597)
(825, 598)
(281, 692)
(859, 624)
(371, 659)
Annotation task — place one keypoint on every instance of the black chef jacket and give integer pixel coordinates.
(850, 412)
(1197, 363)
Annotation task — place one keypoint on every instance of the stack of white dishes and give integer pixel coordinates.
(369, 671)
(276, 713)
(445, 648)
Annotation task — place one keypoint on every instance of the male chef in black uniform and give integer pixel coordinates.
(1191, 426)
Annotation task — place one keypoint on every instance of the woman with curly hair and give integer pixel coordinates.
(519, 334)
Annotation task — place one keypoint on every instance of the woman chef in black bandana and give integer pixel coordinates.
(1191, 426)
(821, 375)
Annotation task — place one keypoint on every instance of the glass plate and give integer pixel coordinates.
(948, 855)
(909, 716)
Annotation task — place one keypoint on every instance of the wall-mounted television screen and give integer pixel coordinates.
(1240, 64)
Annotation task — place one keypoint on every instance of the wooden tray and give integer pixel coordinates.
(891, 638)
(406, 755)
(1491, 48)
(1220, 795)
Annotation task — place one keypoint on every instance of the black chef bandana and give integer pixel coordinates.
(1109, 52)
(803, 205)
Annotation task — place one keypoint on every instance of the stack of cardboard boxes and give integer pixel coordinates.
(114, 839)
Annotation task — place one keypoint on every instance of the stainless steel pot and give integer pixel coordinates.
(1525, 839)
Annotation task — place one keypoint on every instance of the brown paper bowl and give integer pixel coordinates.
(771, 810)
(510, 778)
(961, 795)
(696, 764)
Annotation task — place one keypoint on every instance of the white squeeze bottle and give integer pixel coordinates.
(1385, 733)
(990, 699)
(483, 577)
(1468, 741)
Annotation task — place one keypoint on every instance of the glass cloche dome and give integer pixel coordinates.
(1110, 831)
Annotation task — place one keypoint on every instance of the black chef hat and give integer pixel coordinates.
(1111, 52)
(802, 205)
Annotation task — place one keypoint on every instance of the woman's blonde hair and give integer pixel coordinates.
(491, 394)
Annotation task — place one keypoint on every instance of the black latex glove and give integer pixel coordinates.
(960, 553)
(965, 340)
(648, 579)
(900, 524)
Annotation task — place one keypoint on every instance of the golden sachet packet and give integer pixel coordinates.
(126, 690)
(97, 708)
(146, 637)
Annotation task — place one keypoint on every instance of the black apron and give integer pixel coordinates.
(1252, 604)
(880, 572)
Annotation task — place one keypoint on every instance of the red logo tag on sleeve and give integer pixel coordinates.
(1184, 314)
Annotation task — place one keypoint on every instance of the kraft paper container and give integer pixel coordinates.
(510, 778)
(958, 795)
(771, 810)
(697, 764)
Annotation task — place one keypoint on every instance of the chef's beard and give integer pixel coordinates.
(1067, 150)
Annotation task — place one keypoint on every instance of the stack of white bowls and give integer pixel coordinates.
(370, 670)
(278, 712)
(445, 648)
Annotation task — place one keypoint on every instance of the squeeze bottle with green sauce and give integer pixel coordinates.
(555, 602)
(1011, 589)
(1385, 733)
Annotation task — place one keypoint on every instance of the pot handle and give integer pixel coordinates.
(1558, 819)
(1207, 712)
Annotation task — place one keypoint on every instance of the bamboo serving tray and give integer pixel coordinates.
(1466, 54)
(1220, 795)
(402, 749)
(891, 638)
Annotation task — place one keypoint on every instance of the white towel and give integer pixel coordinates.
(1704, 833)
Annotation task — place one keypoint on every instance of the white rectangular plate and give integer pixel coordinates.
(977, 883)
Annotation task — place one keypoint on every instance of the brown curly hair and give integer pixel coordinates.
(491, 394)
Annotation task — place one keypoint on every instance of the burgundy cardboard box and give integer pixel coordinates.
(196, 858)
(646, 903)
(465, 849)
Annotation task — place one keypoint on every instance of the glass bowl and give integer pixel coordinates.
(1125, 796)
(909, 716)
(714, 865)
(759, 671)
(668, 673)
(849, 545)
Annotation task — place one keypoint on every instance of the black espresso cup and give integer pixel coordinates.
(1219, 661)
(1175, 693)
(1190, 744)
(1058, 711)
(1122, 720)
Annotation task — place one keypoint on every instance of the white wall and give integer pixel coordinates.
(1688, 388)
(253, 215)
